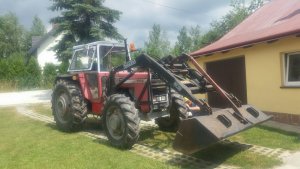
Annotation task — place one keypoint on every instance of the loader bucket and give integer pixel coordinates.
(199, 132)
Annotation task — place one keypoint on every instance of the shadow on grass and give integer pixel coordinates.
(219, 152)
(157, 139)
(216, 153)
(89, 124)
(92, 124)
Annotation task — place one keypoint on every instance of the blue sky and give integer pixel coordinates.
(137, 17)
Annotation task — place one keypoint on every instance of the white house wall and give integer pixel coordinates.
(45, 53)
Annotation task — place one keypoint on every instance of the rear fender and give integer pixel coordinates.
(95, 105)
(67, 77)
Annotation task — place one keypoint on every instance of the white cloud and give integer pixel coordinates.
(137, 17)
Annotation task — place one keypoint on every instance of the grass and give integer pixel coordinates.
(220, 153)
(42, 108)
(217, 153)
(25, 143)
(7, 86)
(269, 137)
(12, 86)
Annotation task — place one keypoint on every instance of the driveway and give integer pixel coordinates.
(26, 97)
(290, 162)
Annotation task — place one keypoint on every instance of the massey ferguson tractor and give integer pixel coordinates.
(103, 80)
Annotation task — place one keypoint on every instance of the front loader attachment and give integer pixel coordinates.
(205, 127)
(199, 132)
(209, 127)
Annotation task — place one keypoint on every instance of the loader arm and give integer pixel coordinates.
(205, 127)
(146, 61)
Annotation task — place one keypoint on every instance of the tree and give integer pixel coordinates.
(11, 35)
(184, 42)
(196, 35)
(188, 40)
(37, 29)
(82, 22)
(49, 74)
(157, 45)
(235, 16)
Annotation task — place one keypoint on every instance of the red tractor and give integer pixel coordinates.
(103, 80)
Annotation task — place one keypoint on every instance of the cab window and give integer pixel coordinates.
(111, 56)
(83, 59)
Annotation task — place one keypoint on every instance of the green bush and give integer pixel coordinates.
(63, 68)
(13, 70)
(32, 75)
(49, 74)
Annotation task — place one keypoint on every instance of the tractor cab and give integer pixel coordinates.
(97, 56)
(92, 64)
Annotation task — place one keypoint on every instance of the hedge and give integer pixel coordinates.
(49, 74)
(13, 70)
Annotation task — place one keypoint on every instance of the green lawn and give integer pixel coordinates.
(25, 143)
(42, 108)
(269, 137)
(218, 153)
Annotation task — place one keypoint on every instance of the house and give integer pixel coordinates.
(42, 48)
(259, 61)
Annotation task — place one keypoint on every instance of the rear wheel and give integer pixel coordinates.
(121, 121)
(68, 106)
(177, 111)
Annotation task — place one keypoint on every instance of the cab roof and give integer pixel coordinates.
(101, 43)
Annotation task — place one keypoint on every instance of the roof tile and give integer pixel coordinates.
(275, 19)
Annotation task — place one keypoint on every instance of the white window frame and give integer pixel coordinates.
(73, 58)
(286, 61)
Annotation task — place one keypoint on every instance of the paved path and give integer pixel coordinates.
(283, 126)
(291, 162)
(27, 97)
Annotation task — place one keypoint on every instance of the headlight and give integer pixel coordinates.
(158, 98)
(163, 98)
(154, 99)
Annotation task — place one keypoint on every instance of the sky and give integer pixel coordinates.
(138, 16)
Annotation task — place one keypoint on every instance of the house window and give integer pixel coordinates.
(292, 69)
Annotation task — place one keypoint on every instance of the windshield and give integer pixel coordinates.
(111, 56)
(83, 59)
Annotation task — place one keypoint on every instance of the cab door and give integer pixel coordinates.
(92, 74)
(109, 56)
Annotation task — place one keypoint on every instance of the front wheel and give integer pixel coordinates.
(121, 121)
(177, 111)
